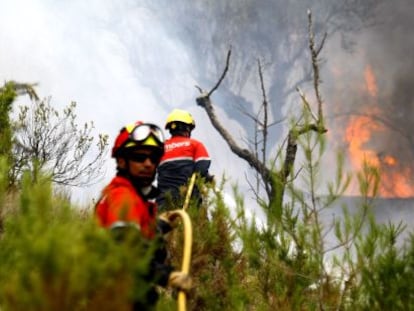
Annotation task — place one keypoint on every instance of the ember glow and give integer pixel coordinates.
(370, 81)
(361, 133)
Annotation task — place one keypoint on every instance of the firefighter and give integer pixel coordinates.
(183, 156)
(128, 200)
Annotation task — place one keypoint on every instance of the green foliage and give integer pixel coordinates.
(385, 276)
(56, 258)
(286, 264)
(3, 180)
(7, 96)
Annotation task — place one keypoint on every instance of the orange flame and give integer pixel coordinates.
(357, 134)
(390, 160)
(370, 81)
(396, 180)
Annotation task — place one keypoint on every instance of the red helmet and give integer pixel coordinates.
(138, 134)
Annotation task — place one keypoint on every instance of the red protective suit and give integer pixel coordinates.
(120, 202)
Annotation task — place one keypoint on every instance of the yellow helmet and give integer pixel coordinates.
(178, 115)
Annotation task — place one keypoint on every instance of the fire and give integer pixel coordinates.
(357, 134)
(361, 131)
(397, 185)
(390, 160)
(370, 81)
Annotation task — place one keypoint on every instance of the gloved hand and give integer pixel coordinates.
(167, 221)
(180, 280)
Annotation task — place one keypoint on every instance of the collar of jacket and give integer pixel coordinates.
(152, 193)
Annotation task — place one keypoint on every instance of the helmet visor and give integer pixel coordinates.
(141, 132)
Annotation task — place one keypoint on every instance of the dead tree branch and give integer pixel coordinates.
(274, 181)
(315, 64)
(222, 75)
(205, 102)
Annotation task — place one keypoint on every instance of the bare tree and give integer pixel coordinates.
(53, 142)
(271, 29)
(274, 180)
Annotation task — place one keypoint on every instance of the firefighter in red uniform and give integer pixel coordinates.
(183, 156)
(127, 202)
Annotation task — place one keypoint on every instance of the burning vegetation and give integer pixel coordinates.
(373, 133)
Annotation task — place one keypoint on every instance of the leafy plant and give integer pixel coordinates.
(54, 257)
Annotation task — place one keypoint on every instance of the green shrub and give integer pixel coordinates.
(54, 257)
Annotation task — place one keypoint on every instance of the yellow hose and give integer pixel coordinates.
(189, 191)
(188, 241)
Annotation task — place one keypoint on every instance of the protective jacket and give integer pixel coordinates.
(182, 156)
(121, 204)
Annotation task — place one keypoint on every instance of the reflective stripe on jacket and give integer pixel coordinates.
(182, 157)
(120, 203)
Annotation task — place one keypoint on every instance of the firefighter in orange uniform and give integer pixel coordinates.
(127, 202)
(183, 156)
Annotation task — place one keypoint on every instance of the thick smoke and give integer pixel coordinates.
(386, 47)
(361, 34)
(143, 58)
(396, 41)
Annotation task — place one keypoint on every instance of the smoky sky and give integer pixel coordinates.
(360, 34)
(387, 47)
(139, 59)
(397, 42)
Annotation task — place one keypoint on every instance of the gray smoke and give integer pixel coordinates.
(397, 42)
(142, 58)
(387, 46)
(360, 34)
